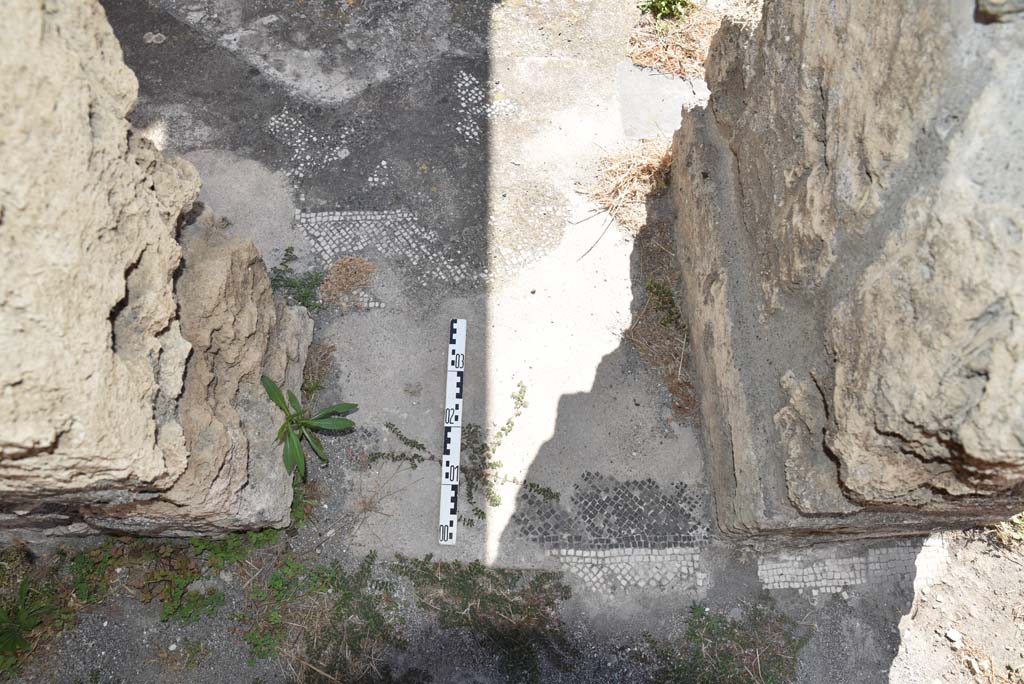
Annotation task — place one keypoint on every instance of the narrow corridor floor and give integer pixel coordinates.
(446, 143)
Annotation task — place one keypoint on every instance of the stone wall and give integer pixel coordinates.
(850, 232)
(108, 416)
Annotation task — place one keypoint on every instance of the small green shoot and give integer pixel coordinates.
(665, 304)
(301, 288)
(234, 547)
(303, 503)
(17, 620)
(90, 571)
(662, 9)
(409, 442)
(299, 426)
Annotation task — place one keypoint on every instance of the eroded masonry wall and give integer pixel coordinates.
(850, 230)
(108, 413)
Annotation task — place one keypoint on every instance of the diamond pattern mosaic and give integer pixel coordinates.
(615, 536)
(606, 514)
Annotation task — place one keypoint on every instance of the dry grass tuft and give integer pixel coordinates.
(345, 276)
(658, 330)
(319, 362)
(1009, 534)
(624, 181)
(675, 46)
(680, 46)
(760, 647)
(623, 185)
(371, 494)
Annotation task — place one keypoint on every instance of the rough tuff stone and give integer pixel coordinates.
(100, 424)
(235, 478)
(810, 473)
(850, 234)
(87, 220)
(930, 347)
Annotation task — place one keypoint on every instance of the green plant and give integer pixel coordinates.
(170, 573)
(303, 503)
(25, 613)
(409, 442)
(42, 596)
(360, 626)
(90, 572)
(512, 611)
(290, 582)
(301, 288)
(519, 403)
(480, 471)
(285, 582)
(263, 640)
(346, 619)
(665, 304)
(414, 458)
(234, 547)
(299, 426)
(545, 493)
(189, 606)
(664, 8)
(760, 647)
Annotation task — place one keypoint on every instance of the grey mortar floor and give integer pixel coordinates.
(445, 141)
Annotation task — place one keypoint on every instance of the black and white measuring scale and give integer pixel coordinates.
(455, 364)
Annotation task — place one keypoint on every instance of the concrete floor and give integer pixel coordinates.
(446, 141)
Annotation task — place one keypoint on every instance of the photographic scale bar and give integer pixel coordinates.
(455, 364)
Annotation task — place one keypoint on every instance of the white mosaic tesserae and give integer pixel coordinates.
(830, 569)
(397, 233)
(612, 571)
(310, 151)
(473, 106)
